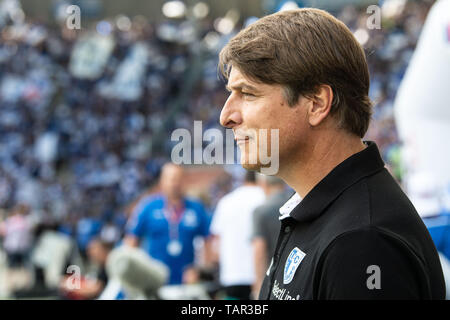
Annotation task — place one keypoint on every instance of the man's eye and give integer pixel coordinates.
(246, 94)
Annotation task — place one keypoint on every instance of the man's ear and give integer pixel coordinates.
(320, 105)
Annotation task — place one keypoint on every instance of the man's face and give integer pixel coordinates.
(252, 107)
(172, 180)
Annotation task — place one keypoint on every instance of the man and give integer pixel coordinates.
(355, 234)
(266, 225)
(232, 228)
(171, 222)
(90, 288)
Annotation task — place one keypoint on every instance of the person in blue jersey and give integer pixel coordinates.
(170, 222)
(87, 228)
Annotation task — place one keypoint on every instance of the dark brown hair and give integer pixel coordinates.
(300, 50)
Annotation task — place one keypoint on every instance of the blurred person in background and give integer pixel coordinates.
(53, 252)
(91, 285)
(170, 222)
(17, 232)
(266, 225)
(232, 230)
(87, 228)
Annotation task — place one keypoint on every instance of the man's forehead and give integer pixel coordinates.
(237, 80)
(236, 76)
(171, 169)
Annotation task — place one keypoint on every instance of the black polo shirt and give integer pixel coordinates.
(355, 235)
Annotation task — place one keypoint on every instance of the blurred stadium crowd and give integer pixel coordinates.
(86, 115)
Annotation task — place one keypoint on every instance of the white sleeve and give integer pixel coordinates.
(217, 223)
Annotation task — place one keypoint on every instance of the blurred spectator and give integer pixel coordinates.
(52, 253)
(16, 231)
(171, 222)
(87, 229)
(232, 228)
(266, 225)
(91, 285)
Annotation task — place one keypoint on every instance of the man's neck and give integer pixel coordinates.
(307, 168)
(269, 191)
(175, 201)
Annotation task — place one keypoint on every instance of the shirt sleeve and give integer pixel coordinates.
(370, 265)
(136, 224)
(216, 223)
(258, 224)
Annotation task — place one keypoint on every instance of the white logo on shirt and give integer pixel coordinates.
(282, 293)
(190, 219)
(292, 262)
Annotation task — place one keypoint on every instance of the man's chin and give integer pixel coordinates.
(267, 169)
(250, 165)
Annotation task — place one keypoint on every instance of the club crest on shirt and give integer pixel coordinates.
(190, 219)
(292, 262)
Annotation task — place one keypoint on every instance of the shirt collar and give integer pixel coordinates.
(290, 205)
(345, 174)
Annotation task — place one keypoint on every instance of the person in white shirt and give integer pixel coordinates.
(17, 232)
(232, 228)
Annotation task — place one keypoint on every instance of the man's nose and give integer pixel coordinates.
(230, 115)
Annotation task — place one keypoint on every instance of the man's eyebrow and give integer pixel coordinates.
(240, 86)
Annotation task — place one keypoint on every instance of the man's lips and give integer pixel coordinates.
(241, 140)
(242, 136)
